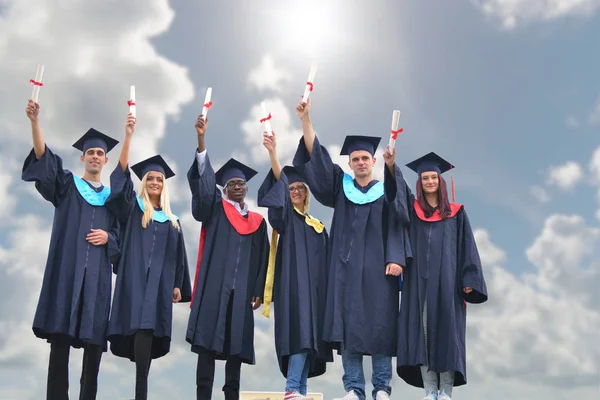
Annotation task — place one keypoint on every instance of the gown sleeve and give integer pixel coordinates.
(113, 244)
(51, 180)
(398, 195)
(322, 176)
(182, 273)
(470, 272)
(275, 196)
(259, 286)
(205, 194)
(122, 197)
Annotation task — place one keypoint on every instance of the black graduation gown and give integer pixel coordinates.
(300, 284)
(153, 263)
(362, 302)
(229, 261)
(76, 271)
(445, 260)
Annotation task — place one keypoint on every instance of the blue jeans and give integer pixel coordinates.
(354, 377)
(297, 374)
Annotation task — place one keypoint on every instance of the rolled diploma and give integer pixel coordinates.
(132, 98)
(206, 101)
(38, 78)
(311, 78)
(267, 122)
(395, 123)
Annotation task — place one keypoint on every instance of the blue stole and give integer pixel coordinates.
(356, 196)
(158, 216)
(90, 195)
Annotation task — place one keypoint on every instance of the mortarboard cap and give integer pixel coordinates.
(430, 162)
(292, 174)
(156, 164)
(234, 169)
(92, 139)
(355, 143)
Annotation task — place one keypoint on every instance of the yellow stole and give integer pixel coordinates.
(268, 294)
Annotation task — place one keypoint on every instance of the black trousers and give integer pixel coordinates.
(142, 348)
(205, 370)
(58, 371)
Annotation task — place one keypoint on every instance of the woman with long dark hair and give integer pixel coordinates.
(445, 274)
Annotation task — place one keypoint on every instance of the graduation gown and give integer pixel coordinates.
(153, 263)
(76, 289)
(233, 258)
(300, 284)
(362, 301)
(445, 260)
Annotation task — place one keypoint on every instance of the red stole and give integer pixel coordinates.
(241, 224)
(454, 208)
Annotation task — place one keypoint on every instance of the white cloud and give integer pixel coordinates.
(512, 13)
(565, 176)
(572, 123)
(540, 194)
(595, 115)
(268, 76)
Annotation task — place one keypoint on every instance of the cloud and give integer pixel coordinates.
(540, 194)
(572, 123)
(521, 12)
(565, 176)
(268, 76)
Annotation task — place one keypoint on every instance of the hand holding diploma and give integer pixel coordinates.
(37, 83)
(207, 103)
(395, 130)
(131, 102)
(309, 83)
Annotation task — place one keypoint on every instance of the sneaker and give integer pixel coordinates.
(431, 396)
(444, 396)
(381, 395)
(349, 396)
(295, 396)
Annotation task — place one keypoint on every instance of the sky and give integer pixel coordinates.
(507, 91)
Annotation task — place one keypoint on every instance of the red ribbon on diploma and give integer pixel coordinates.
(265, 119)
(208, 105)
(36, 83)
(130, 103)
(395, 133)
(311, 85)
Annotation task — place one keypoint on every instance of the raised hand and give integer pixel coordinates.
(130, 124)
(201, 125)
(303, 109)
(270, 142)
(389, 156)
(32, 110)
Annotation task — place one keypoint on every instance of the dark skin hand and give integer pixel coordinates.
(256, 302)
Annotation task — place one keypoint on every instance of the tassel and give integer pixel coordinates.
(268, 292)
(452, 184)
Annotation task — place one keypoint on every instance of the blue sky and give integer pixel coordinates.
(506, 91)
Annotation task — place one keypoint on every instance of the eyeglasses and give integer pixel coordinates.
(240, 184)
(297, 188)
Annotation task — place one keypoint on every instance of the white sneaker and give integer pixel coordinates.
(349, 396)
(381, 395)
(295, 396)
(444, 396)
(431, 396)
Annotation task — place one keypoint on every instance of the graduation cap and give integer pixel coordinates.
(234, 169)
(156, 164)
(292, 174)
(355, 143)
(432, 162)
(93, 138)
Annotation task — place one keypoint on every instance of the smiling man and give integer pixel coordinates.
(230, 272)
(367, 247)
(74, 302)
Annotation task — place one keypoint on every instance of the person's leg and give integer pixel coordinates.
(142, 348)
(354, 378)
(233, 368)
(446, 384)
(58, 369)
(92, 355)
(205, 375)
(296, 364)
(304, 378)
(430, 378)
(382, 374)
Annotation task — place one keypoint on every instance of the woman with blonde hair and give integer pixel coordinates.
(296, 276)
(153, 269)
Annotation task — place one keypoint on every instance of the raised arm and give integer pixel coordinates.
(274, 193)
(122, 195)
(398, 196)
(303, 111)
(42, 166)
(202, 180)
